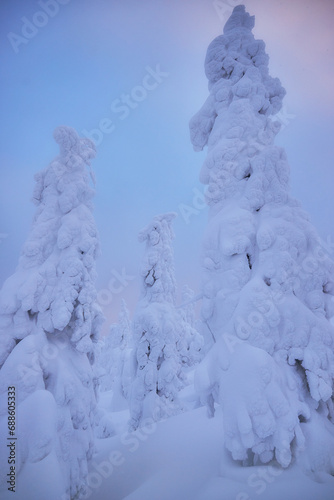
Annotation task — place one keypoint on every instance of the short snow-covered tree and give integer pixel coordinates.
(50, 321)
(117, 359)
(164, 342)
(268, 282)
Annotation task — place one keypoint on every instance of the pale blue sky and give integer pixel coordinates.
(81, 60)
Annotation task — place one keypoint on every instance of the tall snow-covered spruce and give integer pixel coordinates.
(268, 282)
(117, 360)
(50, 320)
(164, 341)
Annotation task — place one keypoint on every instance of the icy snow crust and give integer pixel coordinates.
(268, 282)
(50, 322)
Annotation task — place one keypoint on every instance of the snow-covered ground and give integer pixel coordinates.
(181, 458)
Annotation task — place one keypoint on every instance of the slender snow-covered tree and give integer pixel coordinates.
(268, 282)
(117, 359)
(164, 342)
(190, 345)
(50, 320)
(188, 298)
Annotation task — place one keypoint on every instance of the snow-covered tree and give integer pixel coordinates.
(268, 283)
(117, 359)
(188, 298)
(164, 341)
(49, 319)
(190, 345)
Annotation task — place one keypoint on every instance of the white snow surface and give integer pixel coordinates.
(176, 459)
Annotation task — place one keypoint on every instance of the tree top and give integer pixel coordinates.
(239, 19)
(70, 143)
